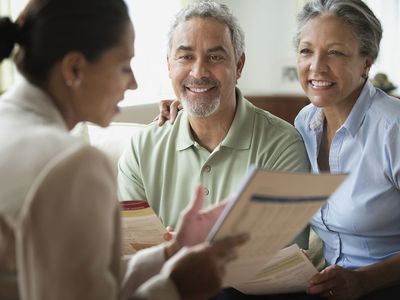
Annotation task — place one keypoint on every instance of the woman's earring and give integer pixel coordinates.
(77, 82)
(73, 83)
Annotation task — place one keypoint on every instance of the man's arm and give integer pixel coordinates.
(292, 157)
(130, 183)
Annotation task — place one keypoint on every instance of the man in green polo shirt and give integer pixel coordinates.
(218, 135)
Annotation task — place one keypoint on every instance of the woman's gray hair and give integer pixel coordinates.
(365, 25)
(210, 9)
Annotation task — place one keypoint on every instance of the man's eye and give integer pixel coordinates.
(184, 57)
(215, 58)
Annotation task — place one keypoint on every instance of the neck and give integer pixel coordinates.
(60, 94)
(210, 131)
(337, 114)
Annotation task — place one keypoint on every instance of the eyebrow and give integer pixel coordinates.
(306, 43)
(211, 50)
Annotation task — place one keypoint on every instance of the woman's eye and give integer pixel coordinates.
(305, 51)
(335, 53)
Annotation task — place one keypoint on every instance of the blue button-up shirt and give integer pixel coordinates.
(360, 224)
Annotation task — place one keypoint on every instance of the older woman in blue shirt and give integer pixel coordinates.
(350, 127)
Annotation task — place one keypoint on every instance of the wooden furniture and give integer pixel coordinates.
(284, 106)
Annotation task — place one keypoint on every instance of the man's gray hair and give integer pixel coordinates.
(210, 9)
(365, 25)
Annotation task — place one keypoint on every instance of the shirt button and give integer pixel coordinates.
(207, 169)
(206, 191)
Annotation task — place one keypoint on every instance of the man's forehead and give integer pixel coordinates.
(206, 30)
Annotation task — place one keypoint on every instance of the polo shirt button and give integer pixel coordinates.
(207, 169)
(206, 191)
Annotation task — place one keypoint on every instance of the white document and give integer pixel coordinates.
(288, 271)
(141, 227)
(273, 207)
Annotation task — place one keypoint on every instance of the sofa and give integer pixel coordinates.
(115, 138)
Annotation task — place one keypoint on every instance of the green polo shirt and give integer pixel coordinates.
(163, 165)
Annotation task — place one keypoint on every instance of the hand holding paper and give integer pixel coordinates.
(195, 223)
(142, 228)
(274, 207)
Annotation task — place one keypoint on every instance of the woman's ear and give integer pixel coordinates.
(71, 67)
(367, 66)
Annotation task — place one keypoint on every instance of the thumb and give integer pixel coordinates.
(197, 201)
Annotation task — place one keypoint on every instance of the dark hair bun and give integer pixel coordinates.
(8, 37)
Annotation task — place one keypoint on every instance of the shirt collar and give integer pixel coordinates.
(31, 98)
(241, 131)
(360, 108)
(357, 114)
(239, 135)
(185, 137)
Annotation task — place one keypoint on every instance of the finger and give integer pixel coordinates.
(163, 107)
(325, 275)
(197, 202)
(322, 283)
(305, 253)
(161, 120)
(170, 229)
(167, 236)
(322, 288)
(226, 244)
(174, 111)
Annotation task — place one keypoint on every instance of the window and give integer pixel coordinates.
(151, 19)
(388, 62)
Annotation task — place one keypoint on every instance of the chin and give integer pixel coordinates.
(102, 122)
(318, 101)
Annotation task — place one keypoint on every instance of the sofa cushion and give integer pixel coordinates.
(112, 139)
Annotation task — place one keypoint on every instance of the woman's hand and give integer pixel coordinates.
(339, 283)
(168, 110)
(198, 271)
(194, 223)
(170, 234)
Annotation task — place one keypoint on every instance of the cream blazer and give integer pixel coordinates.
(59, 215)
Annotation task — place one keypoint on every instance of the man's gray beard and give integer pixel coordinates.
(200, 110)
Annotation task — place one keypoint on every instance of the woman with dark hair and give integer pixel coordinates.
(59, 214)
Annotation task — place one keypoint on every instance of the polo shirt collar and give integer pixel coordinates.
(185, 138)
(239, 135)
(241, 131)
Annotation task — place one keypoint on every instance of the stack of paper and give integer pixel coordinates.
(273, 207)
